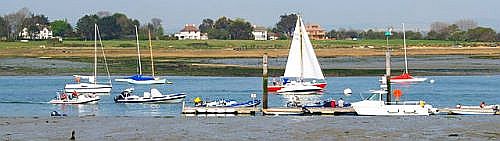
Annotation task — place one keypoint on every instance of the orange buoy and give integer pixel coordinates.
(398, 93)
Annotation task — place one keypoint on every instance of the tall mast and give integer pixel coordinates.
(95, 53)
(404, 45)
(138, 51)
(301, 48)
(151, 52)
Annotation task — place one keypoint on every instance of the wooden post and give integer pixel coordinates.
(264, 81)
(388, 83)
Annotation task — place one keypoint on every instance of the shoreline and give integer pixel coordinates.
(439, 127)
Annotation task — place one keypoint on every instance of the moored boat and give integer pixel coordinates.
(154, 96)
(475, 110)
(74, 98)
(302, 67)
(92, 86)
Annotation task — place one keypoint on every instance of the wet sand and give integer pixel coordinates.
(438, 127)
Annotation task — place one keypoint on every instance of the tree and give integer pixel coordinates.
(412, 35)
(218, 34)
(156, 28)
(331, 34)
(240, 29)
(85, 26)
(15, 21)
(466, 24)
(481, 34)
(61, 28)
(498, 37)
(4, 28)
(206, 25)
(222, 23)
(109, 28)
(286, 24)
(440, 31)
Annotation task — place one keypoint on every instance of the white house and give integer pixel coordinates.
(259, 33)
(190, 32)
(42, 33)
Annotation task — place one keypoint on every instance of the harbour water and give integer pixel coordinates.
(28, 96)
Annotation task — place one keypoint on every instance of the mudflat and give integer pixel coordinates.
(437, 127)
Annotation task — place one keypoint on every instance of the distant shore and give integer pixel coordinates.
(440, 127)
(193, 62)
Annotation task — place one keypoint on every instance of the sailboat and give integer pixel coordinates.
(406, 77)
(302, 72)
(92, 86)
(140, 78)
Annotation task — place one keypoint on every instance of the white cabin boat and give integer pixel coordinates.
(92, 86)
(375, 105)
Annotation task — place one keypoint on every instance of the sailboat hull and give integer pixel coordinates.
(409, 80)
(87, 88)
(279, 87)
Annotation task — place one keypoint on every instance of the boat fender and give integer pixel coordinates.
(422, 103)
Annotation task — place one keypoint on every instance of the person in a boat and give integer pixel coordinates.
(482, 105)
(198, 102)
(74, 94)
(341, 103)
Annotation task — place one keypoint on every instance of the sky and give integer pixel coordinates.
(331, 14)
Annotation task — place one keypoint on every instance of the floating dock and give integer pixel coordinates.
(220, 110)
(308, 111)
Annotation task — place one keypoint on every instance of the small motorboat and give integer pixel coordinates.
(475, 110)
(374, 105)
(226, 103)
(74, 98)
(154, 96)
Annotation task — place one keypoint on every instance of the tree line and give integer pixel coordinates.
(120, 26)
(111, 25)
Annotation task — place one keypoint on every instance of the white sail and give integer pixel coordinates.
(302, 62)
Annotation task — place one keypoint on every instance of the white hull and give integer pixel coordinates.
(122, 80)
(413, 80)
(166, 99)
(87, 88)
(80, 100)
(379, 108)
(299, 88)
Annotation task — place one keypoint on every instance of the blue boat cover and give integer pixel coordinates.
(139, 77)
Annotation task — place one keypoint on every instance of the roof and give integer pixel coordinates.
(259, 29)
(189, 28)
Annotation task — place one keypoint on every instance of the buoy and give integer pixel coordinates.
(398, 93)
(432, 81)
(347, 91)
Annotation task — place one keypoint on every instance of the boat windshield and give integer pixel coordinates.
(374, 97)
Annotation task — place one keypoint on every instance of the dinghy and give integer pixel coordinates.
(227, 103)
(475, 110)
(154, 96)
(74, 98)
(92, 86)
(302, 67)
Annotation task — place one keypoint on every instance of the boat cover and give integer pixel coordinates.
(139, 77)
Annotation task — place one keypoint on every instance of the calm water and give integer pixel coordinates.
(28, 96)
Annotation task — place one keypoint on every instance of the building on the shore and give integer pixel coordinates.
(273, 36)
(315, 32)
(191, 32)
(41, 33)
(259, 33)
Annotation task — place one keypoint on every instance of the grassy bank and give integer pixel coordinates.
(244, 44)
